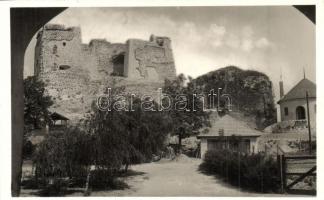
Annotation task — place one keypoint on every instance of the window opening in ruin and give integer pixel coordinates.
(118, 65)
(64, 43)
(160, 41)
(55, 49)
(64, 67)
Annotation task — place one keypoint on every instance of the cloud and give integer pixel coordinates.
(247, 45)
(262, 43)
(184, 34)
(247, 32)
(217, 30)
(233, 41)
(217, 43)
(189, 32)
(215, 35)
(246, 40)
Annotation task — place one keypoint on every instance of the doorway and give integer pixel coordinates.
(300, 113)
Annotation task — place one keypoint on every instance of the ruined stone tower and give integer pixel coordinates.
(60, 48)
(75, 72)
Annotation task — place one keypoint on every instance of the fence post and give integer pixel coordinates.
(284, 169)
(280, 166)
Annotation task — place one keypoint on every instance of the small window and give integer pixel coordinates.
(286, 111)
(55, 49)
(64, 67)
(64, 43)
(315, 108)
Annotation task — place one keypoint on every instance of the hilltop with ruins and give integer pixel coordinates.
(76, 73)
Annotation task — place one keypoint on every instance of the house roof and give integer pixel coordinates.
(231, 127)
(299, 91)
(56, 116)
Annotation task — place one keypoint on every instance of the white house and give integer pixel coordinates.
(229, 133)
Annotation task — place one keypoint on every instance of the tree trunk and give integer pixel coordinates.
(126, 167)
(180, 144)
(86, 190)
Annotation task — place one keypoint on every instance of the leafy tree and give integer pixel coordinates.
(132, 136)
(36, 103)
(185, 122)
(36, 114)
(147, 129)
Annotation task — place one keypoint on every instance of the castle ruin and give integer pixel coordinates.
(74, 73)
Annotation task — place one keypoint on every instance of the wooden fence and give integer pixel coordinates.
(294, 170)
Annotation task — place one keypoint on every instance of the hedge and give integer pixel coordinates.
(256, 172)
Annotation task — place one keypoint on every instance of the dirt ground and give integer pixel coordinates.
(175, 178)
(179, 177)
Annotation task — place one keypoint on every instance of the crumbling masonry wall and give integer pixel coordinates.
(75, 73)
(152, 60)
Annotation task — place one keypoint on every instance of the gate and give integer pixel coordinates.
(293, 172)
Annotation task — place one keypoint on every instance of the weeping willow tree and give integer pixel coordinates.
(127, 136)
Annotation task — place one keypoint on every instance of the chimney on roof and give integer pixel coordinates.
(281, 88)
(304, 73)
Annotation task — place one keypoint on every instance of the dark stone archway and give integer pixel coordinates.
(24, 23)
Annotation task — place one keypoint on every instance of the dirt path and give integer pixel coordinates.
(174, 178)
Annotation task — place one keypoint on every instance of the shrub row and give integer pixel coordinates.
(255, 172)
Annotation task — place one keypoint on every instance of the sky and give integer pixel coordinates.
(271, 39)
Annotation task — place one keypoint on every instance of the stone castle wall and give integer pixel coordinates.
(104, 54)
(76, 73)
(152, 60)
(57, 47)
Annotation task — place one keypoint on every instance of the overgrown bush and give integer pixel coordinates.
(58, 187)
(103, 180)
(61, 157)
(255, 172)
